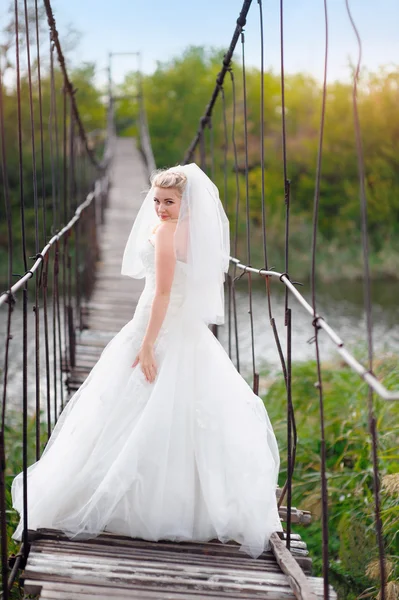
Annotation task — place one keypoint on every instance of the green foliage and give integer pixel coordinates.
(92, 112)
(13, 452)
(352, 543)
(127, 107)
(176, 95)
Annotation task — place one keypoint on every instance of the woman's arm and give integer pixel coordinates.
(165, 262)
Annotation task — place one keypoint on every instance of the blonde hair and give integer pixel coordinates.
(169, 178)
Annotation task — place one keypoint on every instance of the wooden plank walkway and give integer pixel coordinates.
(111, 566)
(114, 297)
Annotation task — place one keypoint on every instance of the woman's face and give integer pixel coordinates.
(167, 203)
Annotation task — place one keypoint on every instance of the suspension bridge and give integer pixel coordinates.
(80, 300)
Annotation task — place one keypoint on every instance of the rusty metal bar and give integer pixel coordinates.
(364, 373)
(241, 21)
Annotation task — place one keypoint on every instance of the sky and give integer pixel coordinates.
(161, 30)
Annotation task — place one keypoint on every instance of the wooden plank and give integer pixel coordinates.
(297, 515)
(95, 341)
(152, 549)
(145, 568)
(153, 555)
(219, 588)
(40, 536)
(150, 559)
(299, 583)
(72, 591)
(161, 592)
(75, 591)
(143, 578)
(127, 310)
(136, 564)
(214, 547)
(267, 562)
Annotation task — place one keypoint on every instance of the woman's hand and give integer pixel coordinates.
(147, 362)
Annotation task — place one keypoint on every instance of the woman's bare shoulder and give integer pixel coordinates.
(165, 230)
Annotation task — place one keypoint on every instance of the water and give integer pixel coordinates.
(341, 304)
(15, 358)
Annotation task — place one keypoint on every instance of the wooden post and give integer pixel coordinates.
(287, 563)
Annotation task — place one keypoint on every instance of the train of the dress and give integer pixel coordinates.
(191, 456)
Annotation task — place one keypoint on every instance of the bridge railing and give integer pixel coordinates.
(202, 150)
(61, 191)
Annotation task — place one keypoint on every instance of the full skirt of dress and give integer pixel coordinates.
(191, 456)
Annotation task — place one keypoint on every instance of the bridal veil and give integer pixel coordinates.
(201, 240)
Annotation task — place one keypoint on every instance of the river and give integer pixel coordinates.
(341, 304)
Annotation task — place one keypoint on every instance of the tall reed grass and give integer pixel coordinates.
(352, 541)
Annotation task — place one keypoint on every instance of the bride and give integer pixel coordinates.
(164, 439)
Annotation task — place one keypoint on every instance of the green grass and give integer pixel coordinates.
(337, 258)
(352, 543)
(13, 449)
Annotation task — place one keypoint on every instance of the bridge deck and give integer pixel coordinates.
(114, 297)
(112, 566)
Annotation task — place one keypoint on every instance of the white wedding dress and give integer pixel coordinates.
(191, 456)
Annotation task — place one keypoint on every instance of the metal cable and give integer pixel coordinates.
(255, 375)
(214, 327)
(263, 196)
(37, 240)
(68, 85)
(368, 311)
(284, 147)
(54, 328)
(44, 271)
(58, 317)
(19, 128)
(319, 384)
(71, 180)
(211, 149)
(25, 289)
(237, 206)
(25, 418)
(262, 137)
(46, 342)
(39, 83)
(64, 363)
(225, 146)
(241, 21)
(6, 194)
(291, 428)
(225, 204)
(264, 228)
(78, 291)
(54, 147)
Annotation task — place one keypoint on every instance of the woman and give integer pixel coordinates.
(164, 439)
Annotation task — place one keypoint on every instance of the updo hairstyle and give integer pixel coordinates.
(169, 178)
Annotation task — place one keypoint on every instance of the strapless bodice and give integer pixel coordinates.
(147, 253)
